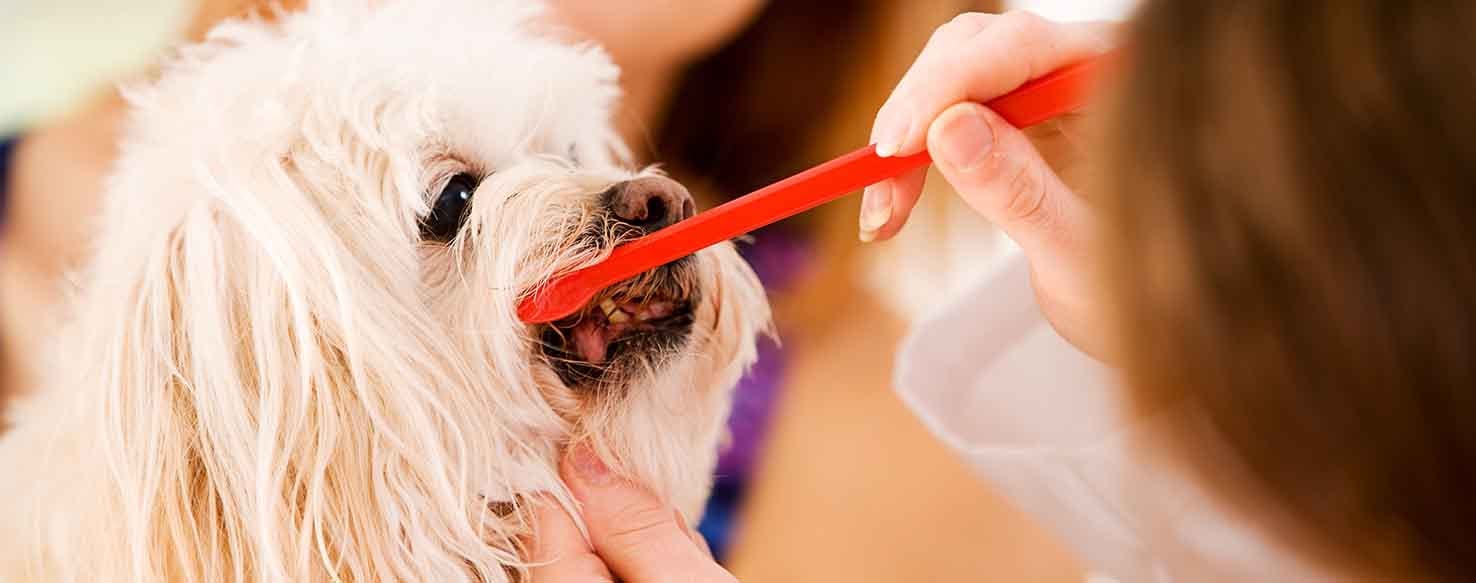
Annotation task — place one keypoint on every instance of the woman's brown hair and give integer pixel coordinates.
(1292, 254)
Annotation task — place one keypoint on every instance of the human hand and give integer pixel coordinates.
(633, 536)
(992, 165)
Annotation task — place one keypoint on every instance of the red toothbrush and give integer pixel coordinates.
(1060, 92)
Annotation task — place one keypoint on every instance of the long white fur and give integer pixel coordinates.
(267, 377)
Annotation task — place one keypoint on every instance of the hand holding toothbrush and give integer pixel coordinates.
(990, 163)
(1024, 71)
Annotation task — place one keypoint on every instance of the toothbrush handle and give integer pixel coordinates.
(1059, 92)
(1041, 99)
(1062, 91)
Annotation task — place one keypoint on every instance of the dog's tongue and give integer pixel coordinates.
(590, 340)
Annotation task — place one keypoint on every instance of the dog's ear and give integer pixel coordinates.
(277, 398)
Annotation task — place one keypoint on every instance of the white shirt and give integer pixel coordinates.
(1048, 427)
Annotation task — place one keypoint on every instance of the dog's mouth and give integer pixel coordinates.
(634, 325)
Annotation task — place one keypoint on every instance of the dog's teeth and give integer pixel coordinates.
(642, 316)
(608, 306)
(618, 317)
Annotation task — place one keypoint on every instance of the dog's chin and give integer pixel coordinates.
(629, 331)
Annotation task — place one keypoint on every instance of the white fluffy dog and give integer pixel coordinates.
(294, 356)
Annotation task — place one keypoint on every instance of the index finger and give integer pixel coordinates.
(977, 57)
(558, 551)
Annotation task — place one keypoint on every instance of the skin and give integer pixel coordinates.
(998, 171)
(994, 167)
(60, 167)
(633, 536)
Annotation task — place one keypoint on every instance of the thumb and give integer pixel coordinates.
(999, 173)
(638, 536)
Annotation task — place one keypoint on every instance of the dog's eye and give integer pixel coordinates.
(449, 210)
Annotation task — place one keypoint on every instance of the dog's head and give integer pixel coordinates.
(303, 307)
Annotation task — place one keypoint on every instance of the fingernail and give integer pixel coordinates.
(890, 139)
(966, 140)
(588, 466)
(876, 209)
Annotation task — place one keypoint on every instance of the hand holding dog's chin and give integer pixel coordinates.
(633, 536)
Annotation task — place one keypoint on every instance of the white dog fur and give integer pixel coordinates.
(268, 376)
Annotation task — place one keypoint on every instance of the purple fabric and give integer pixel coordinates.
(753, 401)
(778, 258)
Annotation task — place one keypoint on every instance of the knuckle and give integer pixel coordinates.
(939, 36)
(895, 105)
(637, 523)
(1025, 194)
(968, 23)
(1022, 27)
(947, 46)
(1024, 22)
(959, 28)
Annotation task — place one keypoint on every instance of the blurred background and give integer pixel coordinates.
(828, 477)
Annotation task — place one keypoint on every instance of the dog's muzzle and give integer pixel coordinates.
(639, 323)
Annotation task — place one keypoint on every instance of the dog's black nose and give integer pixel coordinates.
(651, 203)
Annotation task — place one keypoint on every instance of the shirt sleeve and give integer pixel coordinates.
(1050, 428)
